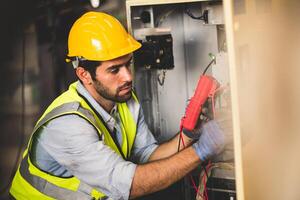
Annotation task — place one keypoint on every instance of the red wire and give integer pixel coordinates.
(208, 167)
(192, 180)
(202, 195)
(194, 185)
(204, 185)
(181, 137)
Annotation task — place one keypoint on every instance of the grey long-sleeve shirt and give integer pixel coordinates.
(68, 145)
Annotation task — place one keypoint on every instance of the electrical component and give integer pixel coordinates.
(156, 51)
(203, 17)
(145, 17)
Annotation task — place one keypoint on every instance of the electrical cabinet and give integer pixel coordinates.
(263, 48)
(177, 39)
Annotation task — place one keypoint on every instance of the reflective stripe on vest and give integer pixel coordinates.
(64, 108)
(83, 192)
(32, 183)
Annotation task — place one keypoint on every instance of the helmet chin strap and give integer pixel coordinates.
(75, 62)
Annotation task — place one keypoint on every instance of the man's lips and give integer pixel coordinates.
(126, 89)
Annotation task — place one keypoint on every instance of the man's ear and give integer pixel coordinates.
(84, 76)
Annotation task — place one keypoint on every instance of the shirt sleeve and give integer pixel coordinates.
(145, 143)
(75, 144)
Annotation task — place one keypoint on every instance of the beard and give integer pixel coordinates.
(107, 94)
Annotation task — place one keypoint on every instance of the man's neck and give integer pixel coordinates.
(106, 104)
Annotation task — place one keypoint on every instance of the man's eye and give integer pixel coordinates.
(128, 64)
(114, 71)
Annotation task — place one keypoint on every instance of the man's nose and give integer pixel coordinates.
(126, 74)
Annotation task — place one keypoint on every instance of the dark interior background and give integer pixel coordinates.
(33, 45)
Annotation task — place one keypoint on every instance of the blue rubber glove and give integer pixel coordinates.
(211, 141)
(194, 134)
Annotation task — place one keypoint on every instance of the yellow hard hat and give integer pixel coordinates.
(98, 36)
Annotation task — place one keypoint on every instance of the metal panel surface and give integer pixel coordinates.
(192, 42)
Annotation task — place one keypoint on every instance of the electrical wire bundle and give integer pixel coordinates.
(203, 178)
(205, 174)
(201, 191)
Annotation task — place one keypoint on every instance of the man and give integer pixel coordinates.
(92, 141)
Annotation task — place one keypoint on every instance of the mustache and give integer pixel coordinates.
(125, 85)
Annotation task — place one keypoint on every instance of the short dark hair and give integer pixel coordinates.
(90, 66)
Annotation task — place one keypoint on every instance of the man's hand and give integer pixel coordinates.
(211, 141)
(194, 134)
(168, 165)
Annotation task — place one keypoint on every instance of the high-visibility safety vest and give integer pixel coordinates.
(32, 183)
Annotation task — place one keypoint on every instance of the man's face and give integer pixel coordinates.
(113, 79)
